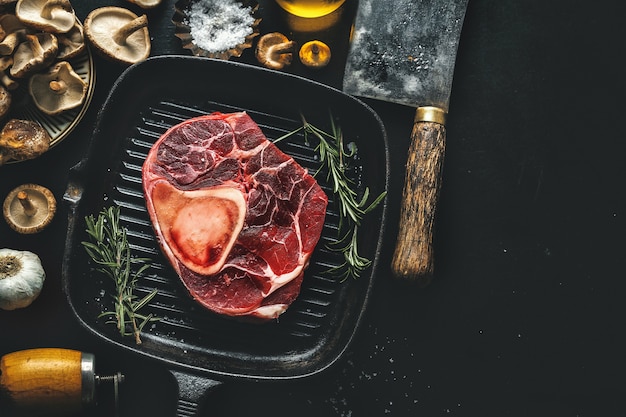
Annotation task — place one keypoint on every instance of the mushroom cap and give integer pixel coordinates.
(42, 206)
(34, 54)
(118, 34)
(55, 16)
(315, 54)
(71, 43)
(22, 139)
(10, 23)
(274, 50)
(58, 89)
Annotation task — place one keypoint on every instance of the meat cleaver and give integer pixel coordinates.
(404, 51)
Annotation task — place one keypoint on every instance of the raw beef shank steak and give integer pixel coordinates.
(236, 217)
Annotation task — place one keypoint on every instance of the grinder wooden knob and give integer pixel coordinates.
(47, 379)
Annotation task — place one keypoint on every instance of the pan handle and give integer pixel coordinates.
(191, 391)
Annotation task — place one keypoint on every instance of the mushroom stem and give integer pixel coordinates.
(8, 44)
(5, 62)
(281, 48)
(58, 86)
(28, 206)
(129, 28)
(276, 51)
(8, 82)
(46, 11)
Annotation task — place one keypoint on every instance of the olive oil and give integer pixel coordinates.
(310, 8)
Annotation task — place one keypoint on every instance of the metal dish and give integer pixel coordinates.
(183, 31)
(193, 342)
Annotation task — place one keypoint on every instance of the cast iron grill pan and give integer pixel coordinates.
(148, 99)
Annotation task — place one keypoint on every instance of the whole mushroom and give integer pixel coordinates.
(34, 54)
(58, 89)
(118, 34)
(315, 54)
(274, 50)
(21, 140)
(71, 43)
(54, 16)
(29, 208)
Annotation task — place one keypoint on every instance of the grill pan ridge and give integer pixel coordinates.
(317, 328)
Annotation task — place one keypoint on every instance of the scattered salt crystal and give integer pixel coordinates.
(218, 25)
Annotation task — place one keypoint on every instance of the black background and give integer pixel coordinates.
(525, 316)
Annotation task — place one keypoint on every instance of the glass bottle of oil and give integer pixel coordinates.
(310, 8)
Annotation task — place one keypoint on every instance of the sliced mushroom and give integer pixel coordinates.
(15, 32)
(118, 34)
(58, 89)
(274, 50)
(22, 139)
(72, 43)
(55, 16)
(146, 4)
(5, 101)
(34, 54)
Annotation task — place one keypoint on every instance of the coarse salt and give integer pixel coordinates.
(218, 25)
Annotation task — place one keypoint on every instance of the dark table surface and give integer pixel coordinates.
(525, 316)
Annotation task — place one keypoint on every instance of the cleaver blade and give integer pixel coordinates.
(404, 51)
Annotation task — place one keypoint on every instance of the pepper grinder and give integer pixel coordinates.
(50, 381)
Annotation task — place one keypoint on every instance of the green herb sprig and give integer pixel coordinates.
(333, 155)
(109, 248)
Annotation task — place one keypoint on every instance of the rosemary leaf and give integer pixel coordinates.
(145, 300)
(109, 249)
(353, 263)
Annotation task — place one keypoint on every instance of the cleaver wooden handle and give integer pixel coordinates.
(413, 255)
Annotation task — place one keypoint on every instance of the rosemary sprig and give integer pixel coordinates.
(353, 263)
(109, 248)
(333, 155)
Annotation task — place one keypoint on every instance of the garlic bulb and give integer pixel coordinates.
(21, 278)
